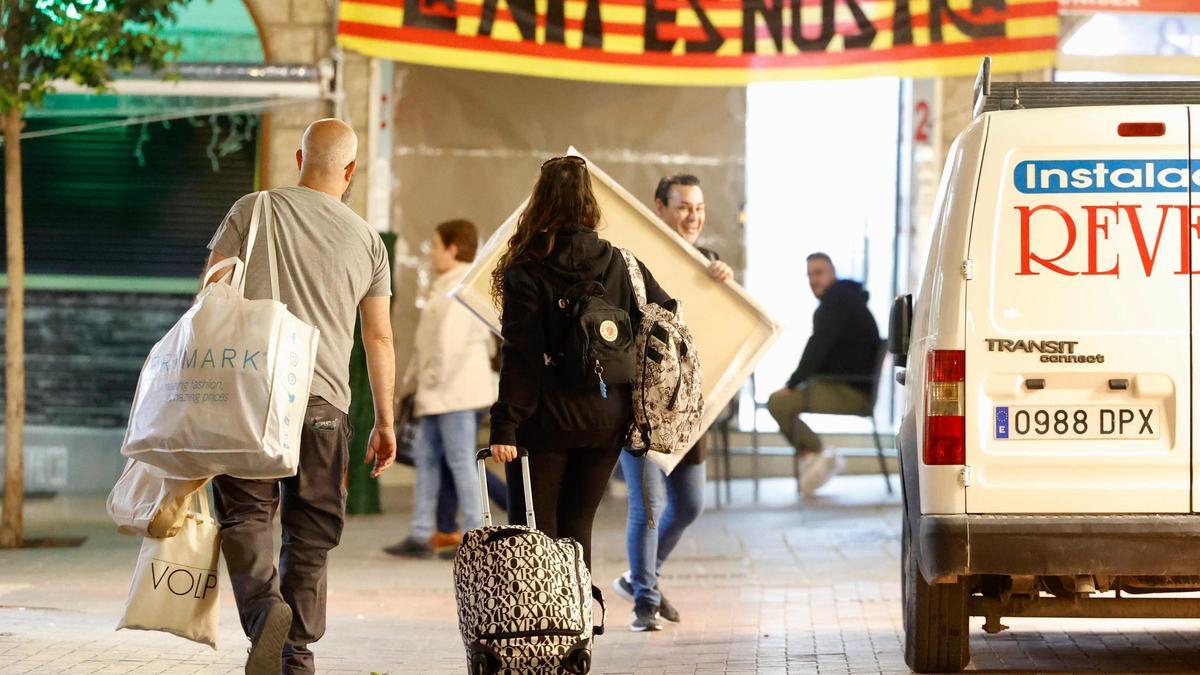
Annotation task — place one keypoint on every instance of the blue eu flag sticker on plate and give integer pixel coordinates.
(1002, 422)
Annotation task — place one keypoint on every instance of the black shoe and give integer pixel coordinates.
(266, 645)
(624, 587)
(645, 618)
(411, 548)
(666, 610)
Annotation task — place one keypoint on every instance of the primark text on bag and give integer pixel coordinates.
(225, 390)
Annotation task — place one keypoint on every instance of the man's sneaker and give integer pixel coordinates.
(411, 548)
(808, 464)
(623, 585)
(666, 610)
(443, 540)
(266, 644)
(446, 544)
(825, 466)
(645, 618)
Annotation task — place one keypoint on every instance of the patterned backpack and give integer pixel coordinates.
(525, 600)
(667, 402)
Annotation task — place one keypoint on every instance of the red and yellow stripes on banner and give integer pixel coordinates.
(706, 42)
(1146, 6)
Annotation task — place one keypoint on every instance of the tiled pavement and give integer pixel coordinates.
(781, 587)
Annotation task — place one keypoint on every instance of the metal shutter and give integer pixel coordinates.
(92, 208)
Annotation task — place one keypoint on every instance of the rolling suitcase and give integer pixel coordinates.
(524, 599)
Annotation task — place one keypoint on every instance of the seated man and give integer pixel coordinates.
(844, 344)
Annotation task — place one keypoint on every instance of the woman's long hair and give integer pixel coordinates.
(561, 199)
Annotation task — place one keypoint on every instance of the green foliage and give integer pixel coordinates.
(363, 491)
(85, 41)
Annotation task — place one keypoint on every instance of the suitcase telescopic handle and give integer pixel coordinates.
(530, 518)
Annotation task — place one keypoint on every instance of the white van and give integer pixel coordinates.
(1049, 445)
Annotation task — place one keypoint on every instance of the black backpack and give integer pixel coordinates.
(593, 347)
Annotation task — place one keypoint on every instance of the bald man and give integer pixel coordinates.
(331, 263)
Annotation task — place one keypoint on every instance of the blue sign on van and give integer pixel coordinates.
(1083, 176)
(1001, 422)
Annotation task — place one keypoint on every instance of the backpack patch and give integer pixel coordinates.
(595, 349)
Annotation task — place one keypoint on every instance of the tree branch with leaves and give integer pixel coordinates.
(88, 42)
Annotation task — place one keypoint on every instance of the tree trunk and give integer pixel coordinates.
(11, 519)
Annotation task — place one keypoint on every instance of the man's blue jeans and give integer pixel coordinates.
(450, 436)
(675, 500)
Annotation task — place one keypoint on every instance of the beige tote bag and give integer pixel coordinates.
(174, 587)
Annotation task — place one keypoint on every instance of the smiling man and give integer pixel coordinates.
(675, 500)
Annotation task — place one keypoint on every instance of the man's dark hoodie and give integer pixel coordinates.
(845, 339)
(534, 410)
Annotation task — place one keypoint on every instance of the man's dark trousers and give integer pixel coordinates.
(312, 514)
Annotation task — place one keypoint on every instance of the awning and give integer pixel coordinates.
(195, 90)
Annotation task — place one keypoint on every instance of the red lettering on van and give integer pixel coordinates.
(1148, 256)
(1102, 227)
(1186, 232)
(1028, 257)
(1096, 227)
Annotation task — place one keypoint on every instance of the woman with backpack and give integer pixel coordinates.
(568, 315)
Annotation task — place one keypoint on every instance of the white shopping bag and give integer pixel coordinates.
(145, 503)
(174, 587)
(225, 390)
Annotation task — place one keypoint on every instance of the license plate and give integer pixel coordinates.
(1082, 422)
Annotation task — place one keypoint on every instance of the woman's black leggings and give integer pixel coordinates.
(567, 488)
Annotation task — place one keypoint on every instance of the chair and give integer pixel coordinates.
(719, 434)
(867, 412)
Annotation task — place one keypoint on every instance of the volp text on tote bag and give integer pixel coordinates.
(175, 587)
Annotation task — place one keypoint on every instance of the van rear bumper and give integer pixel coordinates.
(1143, 544)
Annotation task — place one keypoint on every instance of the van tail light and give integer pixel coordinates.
(1141, 129)
(945, 407)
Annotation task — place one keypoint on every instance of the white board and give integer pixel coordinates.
(732, 332)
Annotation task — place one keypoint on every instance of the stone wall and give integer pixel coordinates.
(301, 31)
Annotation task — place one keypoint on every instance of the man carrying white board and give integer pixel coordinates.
(675, 500)
(333, 265)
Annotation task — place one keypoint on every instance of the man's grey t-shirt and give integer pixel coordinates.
(328, 259)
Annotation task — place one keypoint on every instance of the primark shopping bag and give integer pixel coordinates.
(174, 587)
(225, 390)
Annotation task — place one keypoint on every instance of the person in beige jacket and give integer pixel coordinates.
(450, 373)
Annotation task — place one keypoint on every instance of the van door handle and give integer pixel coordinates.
(900, 375)
(1118, 385)
(1037, 383)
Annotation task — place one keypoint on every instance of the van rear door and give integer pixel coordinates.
(1078, 330)
(1194, 201)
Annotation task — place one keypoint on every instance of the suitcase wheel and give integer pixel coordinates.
(578, 662)
(481, 664)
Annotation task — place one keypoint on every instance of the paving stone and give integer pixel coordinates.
(777, 587)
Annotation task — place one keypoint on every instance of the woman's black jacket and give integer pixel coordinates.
(533, 410)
